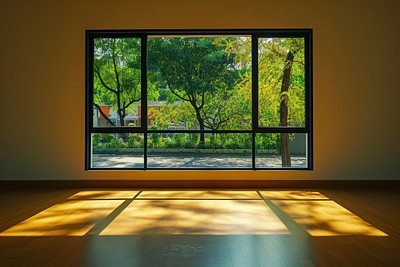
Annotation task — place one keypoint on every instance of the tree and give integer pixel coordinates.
(294, 47)
(117, 76)
(200, 74)
(283, 110)
(281, 84)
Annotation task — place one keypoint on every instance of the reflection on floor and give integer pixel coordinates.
(193, 212)
(193, 228)
(319, 215)
(72, 218)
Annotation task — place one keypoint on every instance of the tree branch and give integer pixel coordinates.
(170, 87)
(130, 103)
(202, 99)
(115, 67)
(300, 62)
(228, 118)
(103, 114)
(97, 71)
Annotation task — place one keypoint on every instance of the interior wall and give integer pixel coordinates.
(356, 81)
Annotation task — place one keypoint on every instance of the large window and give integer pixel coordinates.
(212, 99)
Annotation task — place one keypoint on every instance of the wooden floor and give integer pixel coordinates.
(258, 227)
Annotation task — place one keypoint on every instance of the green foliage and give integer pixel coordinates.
(231, 144)
(192, 141)
(182, 72)
(206, 82)
(117, 71)
(268, 141)
(215, 141)
(178, 140)
(121, 143)
(134, 141)
(111, 141)
(164, 142)
(96, 139)
(272, 56)
(154, 140)
(110, 138)
(117, 75)
(188, 67)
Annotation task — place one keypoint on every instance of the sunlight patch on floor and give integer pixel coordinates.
(292, 195)
(72, 218)
(319, 215)
(199, 194)
(117, 194)
(123, 212)
(196, 217)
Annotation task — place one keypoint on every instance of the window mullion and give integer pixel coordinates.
(254, 93)
(89, 98)
(144, 116)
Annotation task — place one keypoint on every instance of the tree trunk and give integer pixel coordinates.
(201, 125)
(120, 112)
(285, 150)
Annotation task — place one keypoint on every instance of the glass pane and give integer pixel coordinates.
(169, 150)
(271, 150)
(117, 88)
(281, 74)
(117, 151)
(199, 83)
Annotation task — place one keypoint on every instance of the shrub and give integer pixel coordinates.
(193, 138)
(215, 141)
(96, 139)
(178, 140)
(155, 138)
(189, 145)
(111, 142)
(231, 144)
(110, 138)
(134, 141)
(267, 141)
(121, 143)
(150, 143)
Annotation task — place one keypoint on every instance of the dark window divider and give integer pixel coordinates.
(258, 130)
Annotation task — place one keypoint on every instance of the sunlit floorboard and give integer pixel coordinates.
(199, 228)
(200, 217)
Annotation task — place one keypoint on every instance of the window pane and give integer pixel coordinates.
(168, 150)
(117, 151)
(271, 148)
(117, 88)
(199, 83)
(281, 93)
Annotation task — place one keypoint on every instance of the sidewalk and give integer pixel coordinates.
(192, 161)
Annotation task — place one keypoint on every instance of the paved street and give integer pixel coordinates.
(191, 161)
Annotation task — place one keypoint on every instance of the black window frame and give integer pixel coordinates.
(255, 34)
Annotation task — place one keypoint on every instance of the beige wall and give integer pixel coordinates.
(356, 81)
